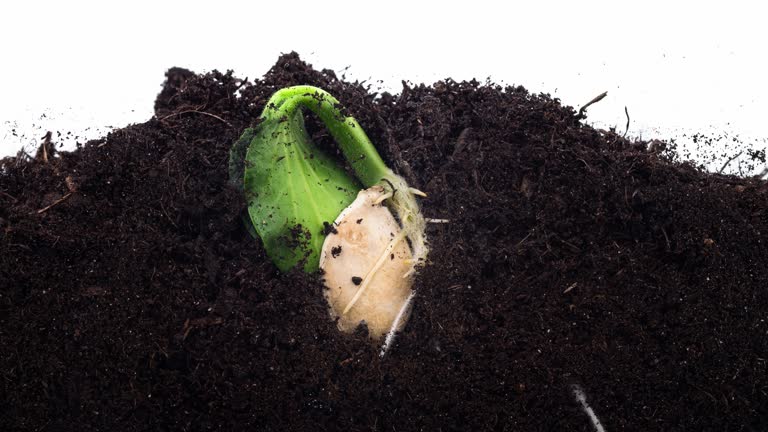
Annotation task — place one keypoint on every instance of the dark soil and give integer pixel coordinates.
(572, 257)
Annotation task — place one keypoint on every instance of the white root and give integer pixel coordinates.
(403, 202)
(382, 198)
(581, 398)
(401, 318)
(417, 192)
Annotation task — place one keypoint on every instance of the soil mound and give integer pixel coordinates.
(133, 298)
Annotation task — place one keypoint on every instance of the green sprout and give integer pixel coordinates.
(298, 196)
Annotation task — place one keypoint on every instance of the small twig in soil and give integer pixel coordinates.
(203, 322)
(198, 112)
(162, 207)
(729, 161)
(524, 239)
(705, 392)
(19, 245)
(242, 83)
(666, 238)
(570, 288)
(626, 111)
(72, 189)
(46, 143)
(597, 99)
(55, 203)
(589, 168)
(569, 244)
(9, 196)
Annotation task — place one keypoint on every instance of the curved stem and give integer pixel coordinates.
(355, 144)
(359, 152)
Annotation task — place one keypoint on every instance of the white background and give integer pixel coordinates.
(679, 67)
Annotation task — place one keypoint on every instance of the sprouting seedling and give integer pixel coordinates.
(308, 211)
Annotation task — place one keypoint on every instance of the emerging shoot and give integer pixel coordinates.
(369, 255)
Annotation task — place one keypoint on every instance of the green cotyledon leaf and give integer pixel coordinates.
(292, 189)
